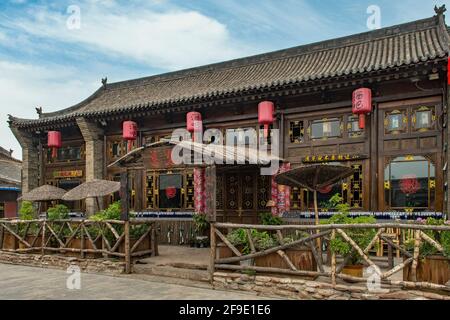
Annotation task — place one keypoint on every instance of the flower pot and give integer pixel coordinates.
(10, 242)
(301, 257)
(145, 245)
(434, 269)
(356, 270)
(222, 252)
(76, 244)
(30, 239)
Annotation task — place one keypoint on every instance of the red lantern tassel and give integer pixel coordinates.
(266, 131)
(362, 121)
(54, 153)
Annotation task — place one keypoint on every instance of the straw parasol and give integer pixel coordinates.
(92, 189)
(314, 177)
(44, 193)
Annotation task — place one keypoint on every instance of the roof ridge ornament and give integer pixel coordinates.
(104, 82)
(39, 111)
(440, 10)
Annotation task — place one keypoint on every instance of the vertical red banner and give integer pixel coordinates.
(281, 194)
(199, 190)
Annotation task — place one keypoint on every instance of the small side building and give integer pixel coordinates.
(10, 183)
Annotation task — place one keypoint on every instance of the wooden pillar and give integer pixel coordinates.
(124, 197)
(210, 190)
(127, 247)
(212, 255)
(333, 259)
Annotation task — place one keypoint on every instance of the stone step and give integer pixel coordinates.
(172, 272)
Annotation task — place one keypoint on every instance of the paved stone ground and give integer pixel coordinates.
(20, 282)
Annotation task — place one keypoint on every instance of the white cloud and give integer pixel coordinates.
(171, 39)
(25, 86)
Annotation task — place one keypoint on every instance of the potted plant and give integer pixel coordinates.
(361, 237)
(32, 236)
(433, 266)
(201, 225)
(54, 214)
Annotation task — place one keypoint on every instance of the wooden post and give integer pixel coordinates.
(43, 238)
(333, 260)
(124, 195)
(212, 254)
(390, 257)
(127, 247)
(82, 244)
(2, 231)
(415, 255)
(210, 190)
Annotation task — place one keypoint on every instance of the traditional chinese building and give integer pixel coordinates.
(10, 184)
(400, 157)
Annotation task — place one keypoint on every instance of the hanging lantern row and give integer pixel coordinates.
(54, 141)
(129, 133)
(265, 115)
(362, 104)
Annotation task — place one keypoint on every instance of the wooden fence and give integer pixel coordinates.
(84, 238)
(312, 235)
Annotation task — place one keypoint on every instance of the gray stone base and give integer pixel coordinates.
(293, 288)
(63, 262)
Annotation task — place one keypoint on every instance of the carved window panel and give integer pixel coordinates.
(66, 154)
(353, 128)
(248, 188)
(356, 185)
(296, 198)
(119, 147)
(264, 185)
(423, 119)
(219, 192)
(232, 192)
(296, 131)
(189, 191)
(396, 122)
(325, 128)
(150, 187)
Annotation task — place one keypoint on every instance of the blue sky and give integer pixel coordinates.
(43, 63)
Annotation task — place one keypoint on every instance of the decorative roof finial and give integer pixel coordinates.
(440, 10)
(104, 81)
(39, 111)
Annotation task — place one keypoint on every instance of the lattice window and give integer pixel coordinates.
(219, 192)
(248, 187)
(189, 190)
(264, 183)
(325, 128)
(356, 183)
(423, 119)
(353, 127)
(396, 122)
(150, 190)
(232, 192)
(296, 131)
(296, 198)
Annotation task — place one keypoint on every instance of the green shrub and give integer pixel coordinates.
(361, 237)
(201, 223)
(27, 211)
(58, 212)
(268, 219)
(261, 239)
(442, 237)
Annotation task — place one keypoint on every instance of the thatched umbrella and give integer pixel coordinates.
(43, 194)
(314, 178)
(92, 189)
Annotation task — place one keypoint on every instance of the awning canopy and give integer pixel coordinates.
(216, 153)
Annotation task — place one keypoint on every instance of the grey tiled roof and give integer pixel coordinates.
(10, 173)
(391, 47)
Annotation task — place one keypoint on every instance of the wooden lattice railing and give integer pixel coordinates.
(332, 270)
(84, 238)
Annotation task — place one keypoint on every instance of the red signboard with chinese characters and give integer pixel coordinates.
(68, 174)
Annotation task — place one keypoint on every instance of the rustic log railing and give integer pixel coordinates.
(85, 238)
(326, 233)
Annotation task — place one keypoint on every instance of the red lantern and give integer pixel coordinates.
(54, 142)
(129, 132)
(362, 104)
(194, 122)
(265, 115)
